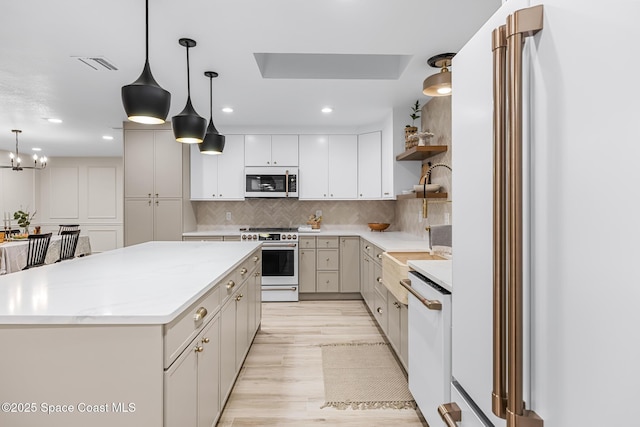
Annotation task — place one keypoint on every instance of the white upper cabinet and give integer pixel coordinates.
(271, 150)
(369, 166)
(328, 167)
(343, 167)
(313, 181)
(219, 177)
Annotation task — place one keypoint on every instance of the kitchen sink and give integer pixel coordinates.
(395, 268)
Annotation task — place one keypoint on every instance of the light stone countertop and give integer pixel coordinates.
(387, 241)
(150, 283)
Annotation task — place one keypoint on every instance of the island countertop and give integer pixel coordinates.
(150, 283)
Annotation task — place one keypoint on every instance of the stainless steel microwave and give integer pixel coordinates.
(271, 182)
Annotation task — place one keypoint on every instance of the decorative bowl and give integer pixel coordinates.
(378, 226)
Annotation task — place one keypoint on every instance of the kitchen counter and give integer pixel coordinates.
(150, 283)
(437, 270)
(387, 240)
(130, 337)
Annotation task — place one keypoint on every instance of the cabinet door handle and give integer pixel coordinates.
(198, 349)
(396, 304)
(149, 202)
(379, 279)
(149, 195)
(256, 259)
(205, 340)
(243, 271)
(200, 314)
(379, 310)
(256, 274)
(367, 247)
(379, 256)
(157, 203)
(239, 297)
(157, 195)
(231, 284)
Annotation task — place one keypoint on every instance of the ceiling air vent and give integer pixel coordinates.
(97, 63)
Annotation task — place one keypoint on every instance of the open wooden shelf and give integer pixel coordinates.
(421, 152)
(420, 195)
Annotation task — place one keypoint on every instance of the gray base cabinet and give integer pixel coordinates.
(329, 265)
(391, 315)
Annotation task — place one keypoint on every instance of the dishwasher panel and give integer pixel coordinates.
(429, 348)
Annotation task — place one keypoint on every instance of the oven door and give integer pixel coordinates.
(271, 182)
(279, 264)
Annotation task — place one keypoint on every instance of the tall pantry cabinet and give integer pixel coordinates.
(156, 185)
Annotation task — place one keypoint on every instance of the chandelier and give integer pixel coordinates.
(16, 161)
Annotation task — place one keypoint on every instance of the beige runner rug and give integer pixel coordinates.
(363, 376)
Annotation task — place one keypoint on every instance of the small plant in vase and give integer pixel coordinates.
(24, 220)
(412, 129)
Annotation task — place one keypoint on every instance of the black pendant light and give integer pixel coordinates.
(188, 126)
(213, 142)
(144, 100)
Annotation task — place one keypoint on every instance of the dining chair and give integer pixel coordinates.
(68, 227)
(37, 252)
(68, 244)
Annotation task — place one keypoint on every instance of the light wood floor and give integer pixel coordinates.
(281, 382)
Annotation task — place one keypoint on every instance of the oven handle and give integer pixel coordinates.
(278, 288)
(279, 245)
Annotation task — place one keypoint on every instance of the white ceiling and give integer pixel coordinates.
(40, 78)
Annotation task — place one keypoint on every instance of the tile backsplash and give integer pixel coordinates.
(403, 215)
(292, 213)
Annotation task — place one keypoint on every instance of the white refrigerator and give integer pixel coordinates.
(580, 221)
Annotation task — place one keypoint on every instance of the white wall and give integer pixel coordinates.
(85, 191)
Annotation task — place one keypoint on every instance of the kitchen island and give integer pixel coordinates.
(151, 334)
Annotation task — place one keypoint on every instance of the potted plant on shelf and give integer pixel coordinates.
(412, 129)
(24, 220)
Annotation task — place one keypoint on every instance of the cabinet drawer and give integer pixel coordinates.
(328, 281)
(380, 287)
(246, 268)
(328, 242)
(328, 259)
(380, 310)
(182, 330)
(307, 242)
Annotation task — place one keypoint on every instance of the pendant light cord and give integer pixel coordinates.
(211, 99)
(188, 76)
(146, 31)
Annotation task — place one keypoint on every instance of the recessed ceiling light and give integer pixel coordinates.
(227, 110)
(327, 110)
(36, 149)
(107, 137)
(54, 120)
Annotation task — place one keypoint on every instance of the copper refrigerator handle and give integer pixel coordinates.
(499, 48)
(520, 24)
(450, 413)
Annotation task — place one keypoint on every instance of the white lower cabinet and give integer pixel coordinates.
(191, 383)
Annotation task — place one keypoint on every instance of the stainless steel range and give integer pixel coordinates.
(279, 261)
